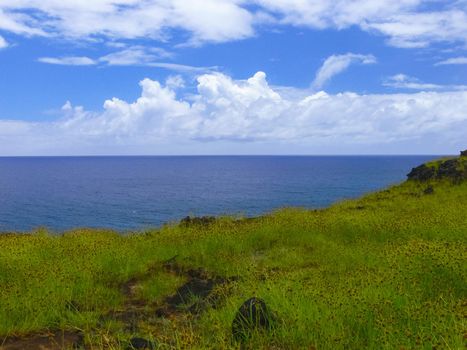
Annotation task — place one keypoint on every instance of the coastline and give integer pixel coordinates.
(128, 194)
(384, 270)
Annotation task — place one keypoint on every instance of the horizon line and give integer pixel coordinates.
(227, 155)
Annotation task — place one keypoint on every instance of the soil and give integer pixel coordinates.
(47, 341)
(194, 297)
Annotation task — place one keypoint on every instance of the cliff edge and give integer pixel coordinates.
(454, 169)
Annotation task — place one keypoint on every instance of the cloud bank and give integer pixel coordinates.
(242, 112)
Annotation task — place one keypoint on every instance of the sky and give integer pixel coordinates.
(202, 77)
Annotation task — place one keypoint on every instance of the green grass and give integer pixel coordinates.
(387, 271)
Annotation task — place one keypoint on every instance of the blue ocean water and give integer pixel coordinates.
(126, 193)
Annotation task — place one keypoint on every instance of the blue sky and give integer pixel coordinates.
(232, 77)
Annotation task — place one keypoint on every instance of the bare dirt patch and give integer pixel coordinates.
(195, 296)
(200, 292)
(45, 341)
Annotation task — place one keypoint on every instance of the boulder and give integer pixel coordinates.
(252, 315)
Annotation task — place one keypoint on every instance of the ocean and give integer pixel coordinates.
(134, 193)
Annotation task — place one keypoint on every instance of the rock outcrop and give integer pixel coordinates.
(422, 173)
(198, 221)
(454, 169)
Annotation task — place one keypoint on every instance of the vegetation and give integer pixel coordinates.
(386, 271)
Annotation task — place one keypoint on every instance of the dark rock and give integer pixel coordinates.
(196, 295)
(429, 190)
(195, 287)
(199, 221)
(464, 153)
(252, 315)
(449, 169)
(422, 173)
(140, 344)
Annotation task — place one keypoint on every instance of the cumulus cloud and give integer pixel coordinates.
(406, 23)
(453, 60)
(336, 64)
(242, 112)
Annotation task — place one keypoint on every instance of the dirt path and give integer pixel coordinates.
(193, 297)
(47, 341)
(196, 295)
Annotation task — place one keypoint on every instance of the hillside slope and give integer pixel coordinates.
(382, 272)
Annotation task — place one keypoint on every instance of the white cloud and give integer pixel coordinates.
(338, 14)
(131, 56)
(182, 68)
(219, 20)
(453, 60)
(3, 43)
(402, 81)
(336, 64)
(243, 112)
(135, 55)
(127, 56)
(175, 82)
(68, 61)
(406, 23)
(17, 22)
(414, 30)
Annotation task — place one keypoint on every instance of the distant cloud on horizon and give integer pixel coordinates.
(242, 111)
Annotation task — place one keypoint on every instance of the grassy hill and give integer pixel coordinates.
(387, 271)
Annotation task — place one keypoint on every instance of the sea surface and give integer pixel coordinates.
(133, 193)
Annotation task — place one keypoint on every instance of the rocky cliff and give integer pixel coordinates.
(454, 169)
